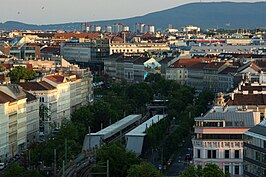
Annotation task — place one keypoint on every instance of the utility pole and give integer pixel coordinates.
(63, 168)
(162, 159)
(107, 166)
(89, 137)
(54, 162)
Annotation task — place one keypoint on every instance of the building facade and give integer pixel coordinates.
(219, 137)
(33, 120)
(255, 151)
(13, 118)
(130, 48)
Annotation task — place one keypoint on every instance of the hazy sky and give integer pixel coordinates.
(61, 11)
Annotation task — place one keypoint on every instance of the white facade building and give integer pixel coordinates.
(33, 119)
(219, 137)
(13, 130)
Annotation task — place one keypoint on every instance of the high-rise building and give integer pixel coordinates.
(85, 27)
(108, 28)
(117, 27)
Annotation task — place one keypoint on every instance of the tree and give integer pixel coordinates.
(21, 72)
(210, 170)
(119, 159)
(2, 68)
(144, 170)
(19, 171)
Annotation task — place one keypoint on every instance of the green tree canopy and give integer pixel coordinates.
(119, 159)
(144, 170)
(21, 72)
(19, 171)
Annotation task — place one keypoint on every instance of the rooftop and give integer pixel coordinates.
(140, 130)
(118, 126)
(36, 86)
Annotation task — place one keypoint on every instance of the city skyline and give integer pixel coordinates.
(43, 11)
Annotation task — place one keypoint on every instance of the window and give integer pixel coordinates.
(226, 154)
(211, 154)
(229, 124)
(237, 154)
(214, 154)
(198, 153)
(258, 156)
(226, 169)
(236, 170)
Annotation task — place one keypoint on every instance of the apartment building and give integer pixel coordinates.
(85, 52)
(255, 151)
(61, 95)
(196, 76)
(219, 137)
(33, 120)
(131, 68)
(250, 95)
(178, 71)
(22, 47)
(130, 48)
(46, 94)
(13, 118)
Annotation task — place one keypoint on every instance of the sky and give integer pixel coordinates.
(63, 11)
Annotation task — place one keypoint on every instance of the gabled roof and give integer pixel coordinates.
(251, 65)
(36, 86)
(4, 98)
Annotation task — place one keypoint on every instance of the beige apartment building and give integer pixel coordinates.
(13, 120)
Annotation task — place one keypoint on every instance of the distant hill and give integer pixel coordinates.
(204, 15)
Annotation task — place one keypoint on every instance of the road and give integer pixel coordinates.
(180, 163)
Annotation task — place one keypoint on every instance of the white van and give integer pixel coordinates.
(2, 166)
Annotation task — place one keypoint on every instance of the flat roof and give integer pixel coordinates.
(139, 131)
(117, 126)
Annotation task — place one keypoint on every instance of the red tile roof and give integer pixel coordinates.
(250, 99)
(56, 78)
(185, 63)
